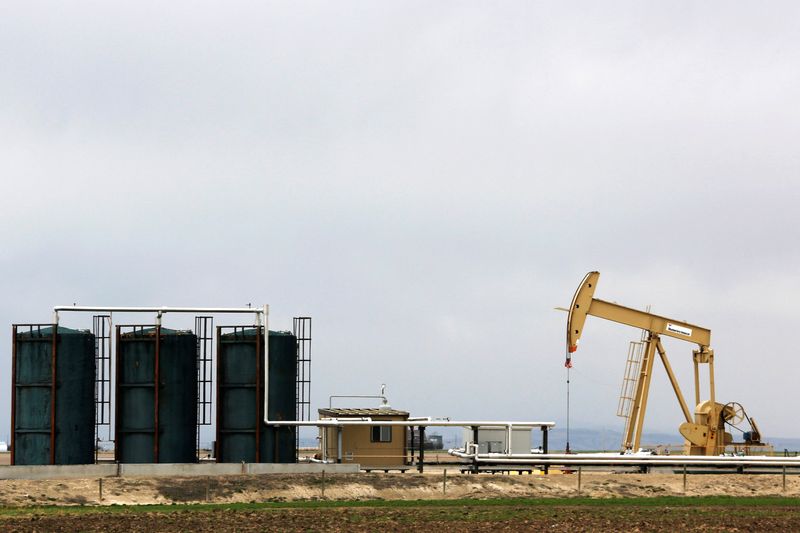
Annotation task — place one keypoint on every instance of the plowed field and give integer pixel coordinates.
(491, 515)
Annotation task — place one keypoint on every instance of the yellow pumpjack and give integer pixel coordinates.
(705, 432)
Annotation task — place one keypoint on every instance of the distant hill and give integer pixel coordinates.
(608, 439)
(585, 439)
(582, 439)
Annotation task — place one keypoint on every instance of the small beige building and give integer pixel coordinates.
(379, 447)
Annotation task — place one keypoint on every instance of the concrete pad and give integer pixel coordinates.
(168, 470)
(56, 471)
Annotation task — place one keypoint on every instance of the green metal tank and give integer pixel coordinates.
(52, 395)
(241, 432)
(156, 424)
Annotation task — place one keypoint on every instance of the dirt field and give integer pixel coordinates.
(404, 502)
(282, 488)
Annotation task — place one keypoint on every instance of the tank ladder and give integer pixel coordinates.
(101, 327)
(204, 330)
(302, 332)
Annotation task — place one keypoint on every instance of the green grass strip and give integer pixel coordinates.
(659, 501)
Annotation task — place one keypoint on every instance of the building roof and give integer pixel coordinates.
(339, 412)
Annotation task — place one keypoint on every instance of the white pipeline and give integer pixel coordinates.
(630, 460)
(337, 422)
(159, 310)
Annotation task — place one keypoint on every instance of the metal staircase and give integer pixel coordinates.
(204, 330)
(101, 327)
(629, 381)
(302, 331)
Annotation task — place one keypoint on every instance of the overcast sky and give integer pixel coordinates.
(427, 180)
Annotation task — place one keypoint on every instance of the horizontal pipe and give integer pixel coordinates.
(337, 422)
(161, 309)
(628, 460)
(321, 461)
(643, 462)
(258, 311)
(611, 456)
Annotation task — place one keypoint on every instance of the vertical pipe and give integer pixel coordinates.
(784, 478)
(323, 443)
(98, 388)
(477, 449)
(298, 328)
(111, 383)
(714, 414)
(412, 445)
(260, 388)
(117, 424)
(684, 479)
(545, 431)
(265, 319)
(53, 378)
(220, 403)
(421, 448)
(696, 378)
(156, 386)
(338, 444)
(299, 395)
(13, 391)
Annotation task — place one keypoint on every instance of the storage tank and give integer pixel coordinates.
(52, 395)
(156, 424)
(241, 432)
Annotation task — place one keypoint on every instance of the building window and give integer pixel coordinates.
(381, 434)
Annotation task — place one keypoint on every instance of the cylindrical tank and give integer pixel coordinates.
(156, 424)
(52, 395)
(241, 432)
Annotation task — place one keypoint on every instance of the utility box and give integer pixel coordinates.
(494, 440)
(371, 446)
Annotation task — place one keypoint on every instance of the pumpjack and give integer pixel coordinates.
(705, 432)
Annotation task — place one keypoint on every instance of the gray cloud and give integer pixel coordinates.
(427, 181)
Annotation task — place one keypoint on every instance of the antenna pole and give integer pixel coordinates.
(567, 450)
